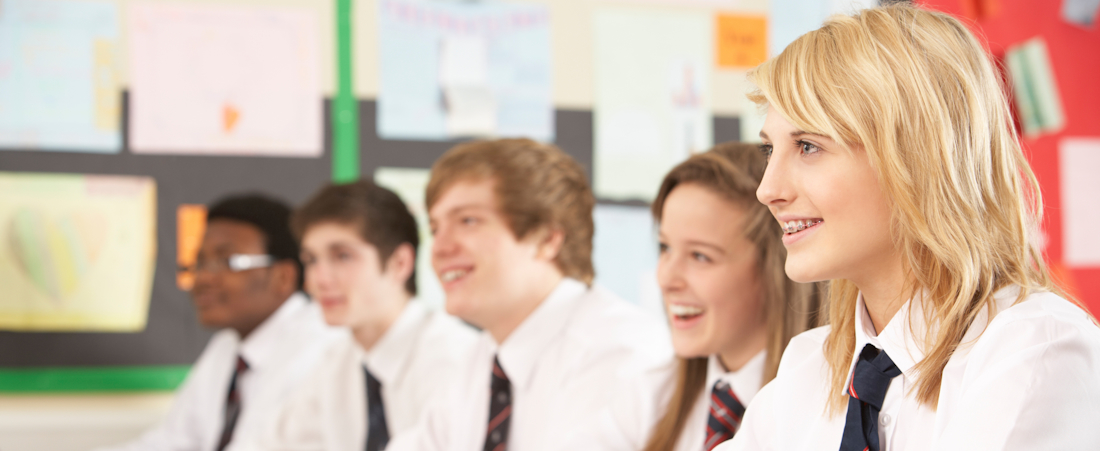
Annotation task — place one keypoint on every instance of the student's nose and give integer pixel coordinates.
(443, 242)
(669, 273)
(775, 188)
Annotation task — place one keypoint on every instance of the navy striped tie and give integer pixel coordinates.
(725, 415)
(866, 392)
(378, 434)
(500, 410)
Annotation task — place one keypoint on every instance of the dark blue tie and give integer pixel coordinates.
(872, 376)
(232, 405)
(378, 435)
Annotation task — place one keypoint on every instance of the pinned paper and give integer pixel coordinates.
(59, 76)
(1080, 12)
(793, 18)
(652, 105)
(980, 9)
(742, 41)
(77, 252)
(225, 80)
(1034, 87)
(190, 227)
(624, 254)
(450, 69)
(409, 184)
(1079, 161)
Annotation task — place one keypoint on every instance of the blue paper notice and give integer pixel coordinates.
(624, 254)
(1080, 12)
(59, 77)
(450, 70)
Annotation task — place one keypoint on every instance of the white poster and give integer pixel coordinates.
(1079, 159)
(652, 106)
(229, 80)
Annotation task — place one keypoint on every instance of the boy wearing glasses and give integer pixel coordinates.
(247, 278)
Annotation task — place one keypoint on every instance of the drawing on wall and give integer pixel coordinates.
(449, 70)
(652, 107)
(410, 184)
(77, 252)
(227, 80)
(59, 76)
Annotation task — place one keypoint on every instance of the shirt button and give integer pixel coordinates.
(884, 420)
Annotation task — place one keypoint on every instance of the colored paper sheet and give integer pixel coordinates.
(190, 227)
(980, 9)
(77, 251)
(793, 18)
(59, 76)
(228, 80)
(1080, 12)
(409, 184)
(742, 41)
(652, 106)
(624, 254)
(1034, 87)
(1079, 159)
(464, 69)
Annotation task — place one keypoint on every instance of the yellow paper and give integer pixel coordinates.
(77, 252)
(742, 41)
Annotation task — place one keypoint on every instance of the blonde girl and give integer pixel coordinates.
(896, 174)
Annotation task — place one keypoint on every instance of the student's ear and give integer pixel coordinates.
(285, 276)
(401, 263)
(550, 242)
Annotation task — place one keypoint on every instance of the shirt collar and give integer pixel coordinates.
(520, 352)
(745, 381)
(387, 358)
(262, 345)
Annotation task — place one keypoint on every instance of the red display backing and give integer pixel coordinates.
(1075, 60)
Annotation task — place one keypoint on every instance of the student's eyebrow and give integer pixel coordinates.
(707, 245)
(764, 135)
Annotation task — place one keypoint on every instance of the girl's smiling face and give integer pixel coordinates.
(836, 219)
(709, 277)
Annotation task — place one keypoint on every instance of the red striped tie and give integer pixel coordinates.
(725, 415)
(232, 405)
(500, 410)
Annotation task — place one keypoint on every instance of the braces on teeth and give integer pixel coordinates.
(798, 226)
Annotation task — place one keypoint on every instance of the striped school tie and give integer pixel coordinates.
(378, 434)
(232, 405)
(500, 410)
(866, 392)
(725, 415)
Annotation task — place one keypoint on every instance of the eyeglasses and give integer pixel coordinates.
(233, 263)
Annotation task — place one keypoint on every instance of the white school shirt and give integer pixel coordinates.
(279, 353)
(1027, 380)
(629, 421)
(564, 362)
(412, 360)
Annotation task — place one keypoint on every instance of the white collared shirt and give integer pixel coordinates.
(279, 353)
(564, 361)
(626, 425)
(1027, 380)
(412, 360)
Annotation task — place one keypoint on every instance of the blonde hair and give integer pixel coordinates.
(733, 171)
(538, 187)
(917, 91)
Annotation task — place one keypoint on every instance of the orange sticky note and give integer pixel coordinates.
(742, 41)
(190, 226)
